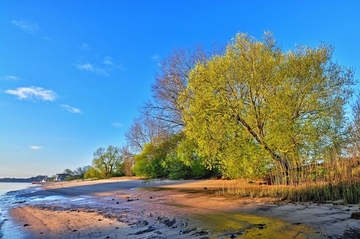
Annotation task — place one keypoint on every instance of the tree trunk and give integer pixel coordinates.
(283, 161)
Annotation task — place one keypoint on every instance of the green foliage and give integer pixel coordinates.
(186, 152)
(92, 173)
(255, 106)
(161, 160)
(107, 162)
(142, 167)
(175, 168)
(148, 163)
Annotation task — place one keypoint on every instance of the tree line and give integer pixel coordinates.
(250, 110)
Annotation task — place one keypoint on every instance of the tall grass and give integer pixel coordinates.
(349, 193)
(336, 180)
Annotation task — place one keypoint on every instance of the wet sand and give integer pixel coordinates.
(119, 208)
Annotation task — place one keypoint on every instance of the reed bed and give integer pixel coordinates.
(338, 180)
(347, 192)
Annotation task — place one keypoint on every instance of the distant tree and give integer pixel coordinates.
(107, 161)
(255, 106)
(171, 80)
(128, 161)
(68, 171)
(80, 171)
(145, 130)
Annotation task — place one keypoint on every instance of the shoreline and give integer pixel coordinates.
(117, 208)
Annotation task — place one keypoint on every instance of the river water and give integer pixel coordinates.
(8, 199)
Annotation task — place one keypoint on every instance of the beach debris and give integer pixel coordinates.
(18, 202)
(138, 223)
(188, 230)
(149, 229)
(355, 215)
(260, 226)
(166, 221)
(26, 225)
(200, 233)
(183, 224)
(351, 233)
(142, 223)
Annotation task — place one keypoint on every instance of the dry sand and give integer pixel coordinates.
(120, 208)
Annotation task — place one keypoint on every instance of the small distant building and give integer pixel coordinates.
(45, 179)
(60, 176)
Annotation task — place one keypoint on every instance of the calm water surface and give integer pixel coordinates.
(7, 187)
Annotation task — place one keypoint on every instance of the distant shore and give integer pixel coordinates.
(128, 208)
(38, 178)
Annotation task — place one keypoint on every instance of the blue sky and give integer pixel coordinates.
(73, 74)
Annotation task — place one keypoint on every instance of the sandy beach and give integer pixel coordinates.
(130, 208)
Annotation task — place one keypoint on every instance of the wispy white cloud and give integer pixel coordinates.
(34, 147)
(29, 27)
(86, 66)
(9, 78)
(109, 61)
(71, 109)
(33, 93)
(92, 68)
(117, 124)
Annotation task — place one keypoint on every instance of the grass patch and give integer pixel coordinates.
(349, 192)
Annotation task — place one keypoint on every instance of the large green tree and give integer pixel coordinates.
(256, 107)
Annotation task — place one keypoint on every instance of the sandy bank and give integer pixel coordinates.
(172, 209)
